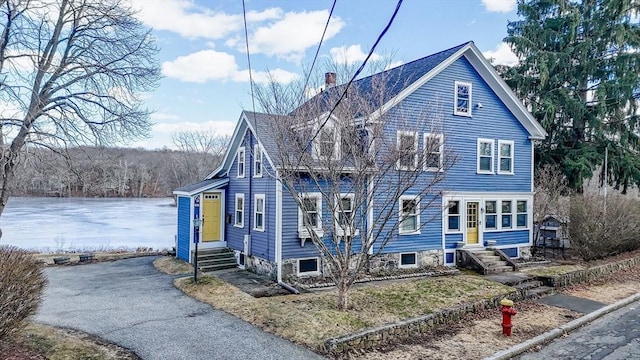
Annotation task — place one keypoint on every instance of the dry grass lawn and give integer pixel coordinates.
(99, 256)
(172, 265)
(62, 344)
(311, 318)
(553, 270)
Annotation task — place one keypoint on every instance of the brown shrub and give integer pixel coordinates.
(597, 231)
(21, 284)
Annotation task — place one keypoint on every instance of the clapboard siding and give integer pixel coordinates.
(184, 219)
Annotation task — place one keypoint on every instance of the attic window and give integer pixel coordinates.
(462, 101)
(327, 144)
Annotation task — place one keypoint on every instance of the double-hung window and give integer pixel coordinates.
(521, 215)
(409, 214)
(239, 211)
(345, 215)
(505, 157)
(257, 160)
(491, 215)
(310, 213)
(433, 156)
(462, 101)
(507, 212)
(258, 212)
(241, 159)
(407, 150)
(485, 156)
(453, 216)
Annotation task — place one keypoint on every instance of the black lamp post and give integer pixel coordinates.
(197, 222)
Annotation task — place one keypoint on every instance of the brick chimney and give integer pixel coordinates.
(329, 79)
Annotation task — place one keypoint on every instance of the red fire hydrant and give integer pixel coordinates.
(507, 312)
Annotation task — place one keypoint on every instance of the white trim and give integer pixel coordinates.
(257, 197)
(257, 151)
(303, 232)
(415, 198)
(479, 225)
(308, 273)
(497, 214)
(484, 141)
(399, 134)
(445, 226)
(329, 125)
(512, 157)
(241, 150)
(340, 231)
(235, 211)
(408, 266)
(455, 99)
(211, 186)
(440, 152)
(444, 261)
(278, 215)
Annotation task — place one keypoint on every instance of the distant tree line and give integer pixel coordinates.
(109, 172)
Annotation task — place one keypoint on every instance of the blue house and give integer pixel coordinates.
(485, 196)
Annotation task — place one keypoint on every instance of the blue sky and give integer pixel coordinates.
(204, 61)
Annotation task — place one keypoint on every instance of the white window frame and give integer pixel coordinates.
(511, 157)
(340, 231)
(399, 135)
(502, 214)
(257, 211)
(497, 214)
(257, 161)
(240, 223)
(241, 160)
(459, 215)
(408, 266)
(526, 213)
(303, 232)
(308, 273)
(440, 151)
(317, 143)
(478, 155)
(455, 99)
(401, 216)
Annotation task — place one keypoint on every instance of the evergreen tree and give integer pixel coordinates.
(579, 74)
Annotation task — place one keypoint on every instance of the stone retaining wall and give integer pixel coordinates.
(403, 330)
(580, 276)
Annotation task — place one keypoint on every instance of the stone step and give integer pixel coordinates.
(223, 250)
(498, 269)
(204, 263)
(539, 291)
(480, 253)
(528, 285)
(214, 256)
(215, 267)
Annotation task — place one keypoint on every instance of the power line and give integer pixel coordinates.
(355, 75)
(315, 57)
(246, 41)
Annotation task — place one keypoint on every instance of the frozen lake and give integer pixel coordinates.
(88, 224)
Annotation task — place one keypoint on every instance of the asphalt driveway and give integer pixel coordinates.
(130, 303)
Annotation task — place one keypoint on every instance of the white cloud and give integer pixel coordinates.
(211, 65)
(503, 6)
(290, 36)
(502, 55)
(189, 20)
(351, 55)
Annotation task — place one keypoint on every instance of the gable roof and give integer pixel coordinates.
(399, 83)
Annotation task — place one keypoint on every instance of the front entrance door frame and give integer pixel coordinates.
(478, 203)
(222, 242)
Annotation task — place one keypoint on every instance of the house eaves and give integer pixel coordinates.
(488, 74)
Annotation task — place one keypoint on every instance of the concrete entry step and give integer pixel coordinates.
(216, 259)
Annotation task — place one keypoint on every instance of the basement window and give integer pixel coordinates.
(308, 266)
(408, 260)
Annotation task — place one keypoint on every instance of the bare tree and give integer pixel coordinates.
(551, 195)
(339, 149)
(72, 72)
(201, 141)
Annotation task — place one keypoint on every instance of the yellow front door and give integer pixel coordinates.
(472, 223)
(211, 210)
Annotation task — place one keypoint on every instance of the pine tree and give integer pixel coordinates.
(579, 74)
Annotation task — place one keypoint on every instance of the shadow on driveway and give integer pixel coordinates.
(130, 303)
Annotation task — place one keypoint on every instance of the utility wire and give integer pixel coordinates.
(246, 41)
(315, 57)
(355, 75)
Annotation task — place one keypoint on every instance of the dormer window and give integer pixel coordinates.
(462, 101)
(327, 143)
